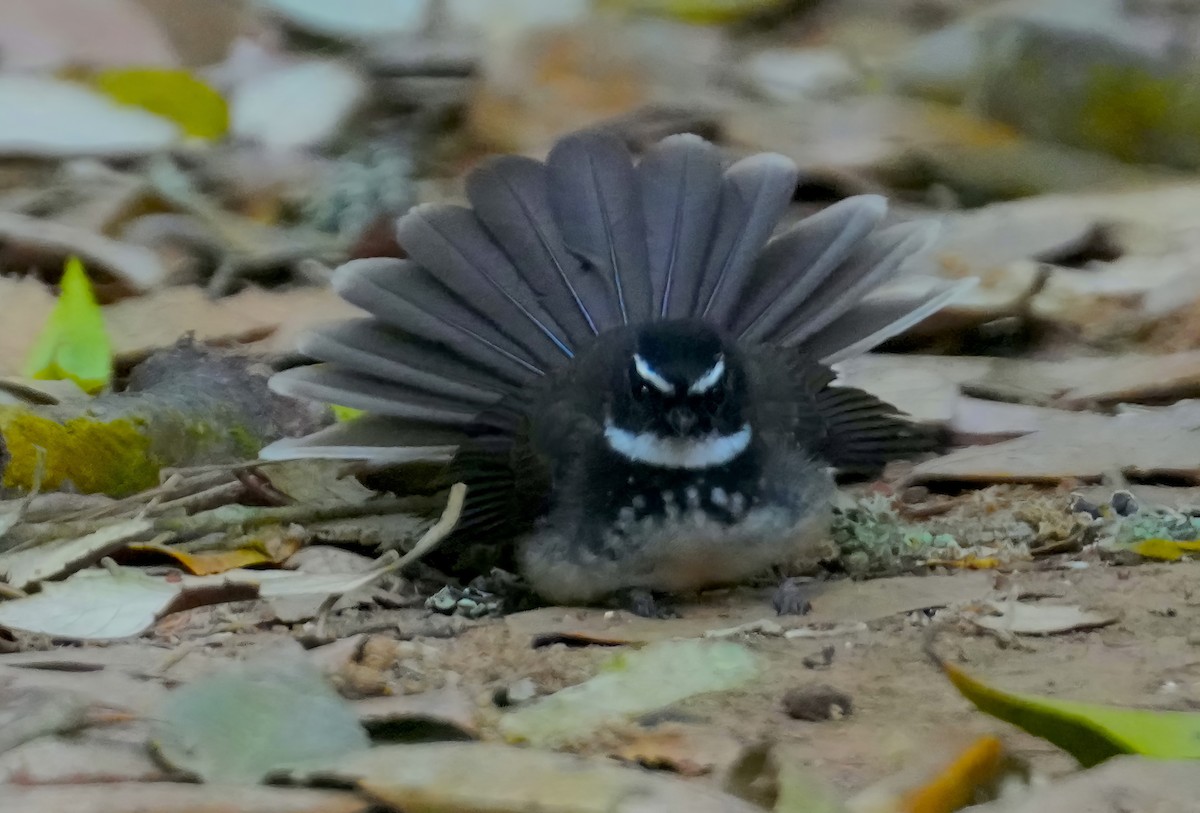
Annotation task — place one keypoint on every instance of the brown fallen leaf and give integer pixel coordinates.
(270, 320)
(138, 267)
(29, 713)
(1138, 442)
(83, 758)
(493, 778)
(47, 36)
(1120, 784)
(440, 714)
(163, 797)
(690, 750)
(1042, 619)
(841, 602)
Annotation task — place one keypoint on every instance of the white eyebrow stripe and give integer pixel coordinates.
(677, 453)
(648, 374)
(710, 379)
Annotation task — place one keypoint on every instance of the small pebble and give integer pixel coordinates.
(520, 692)
(1124, 503)
(817, 703)
(821, 660)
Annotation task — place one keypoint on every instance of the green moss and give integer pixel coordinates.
(1124, 108)
(246, 442)
(97, 457)
(872, 538)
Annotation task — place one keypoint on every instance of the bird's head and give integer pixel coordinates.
(678, 398)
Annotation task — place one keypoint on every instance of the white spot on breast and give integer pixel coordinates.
(692, 494)
(639, 502)
(737, 504)
(719, 497)
(626, 515)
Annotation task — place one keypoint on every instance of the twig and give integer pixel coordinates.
(436, 534)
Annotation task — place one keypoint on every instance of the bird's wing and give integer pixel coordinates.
(795, 398)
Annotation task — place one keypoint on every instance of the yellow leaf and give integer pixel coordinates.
(73, 345)
(1167, 550)
(1089, 732)
(705, 12)
(173, 94)
(208, 562)
(955, 786)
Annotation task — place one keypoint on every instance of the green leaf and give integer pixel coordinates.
(173, 94)
(73, 345)
(237, 726)
(345, 413)
(1090, 733)
(629, 684)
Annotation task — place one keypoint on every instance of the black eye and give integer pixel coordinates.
(641, 391)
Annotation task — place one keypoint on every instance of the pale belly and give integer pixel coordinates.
(683, 553)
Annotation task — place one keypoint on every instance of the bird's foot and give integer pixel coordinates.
(791, 598)
(642, 602)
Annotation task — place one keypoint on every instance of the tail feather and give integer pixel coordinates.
(595, 200)
(510, 196)
(365, 346)
(452, 240)
(871, 323)
(404, 295)
(373, 439)
(797, 262)
(681, 190)
(551, 255)
(877, 258)
(755, 193)
(334, 385)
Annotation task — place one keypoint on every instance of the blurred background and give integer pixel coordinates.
(210, 161)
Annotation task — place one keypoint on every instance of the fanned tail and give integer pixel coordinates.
(551, 255)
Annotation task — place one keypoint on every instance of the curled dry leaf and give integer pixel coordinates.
(690, 750)
(1042, 619)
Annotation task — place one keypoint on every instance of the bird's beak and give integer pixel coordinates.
(681, 420)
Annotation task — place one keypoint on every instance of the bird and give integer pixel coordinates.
(629, 360)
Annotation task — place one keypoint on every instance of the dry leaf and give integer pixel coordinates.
(1142, 442)
(492, 778)
(1042, 619)
(632, 683)
(50, 118)
(48, 35)
(163, 797)
(137, 266)
(32, 565)
(1119, 785)
(206, 563)
(105, 604)
(442, 714)
(685, 749)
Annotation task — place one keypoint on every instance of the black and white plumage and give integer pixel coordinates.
(625, 361)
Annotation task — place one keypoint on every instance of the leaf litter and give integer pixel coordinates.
(1052, 372)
